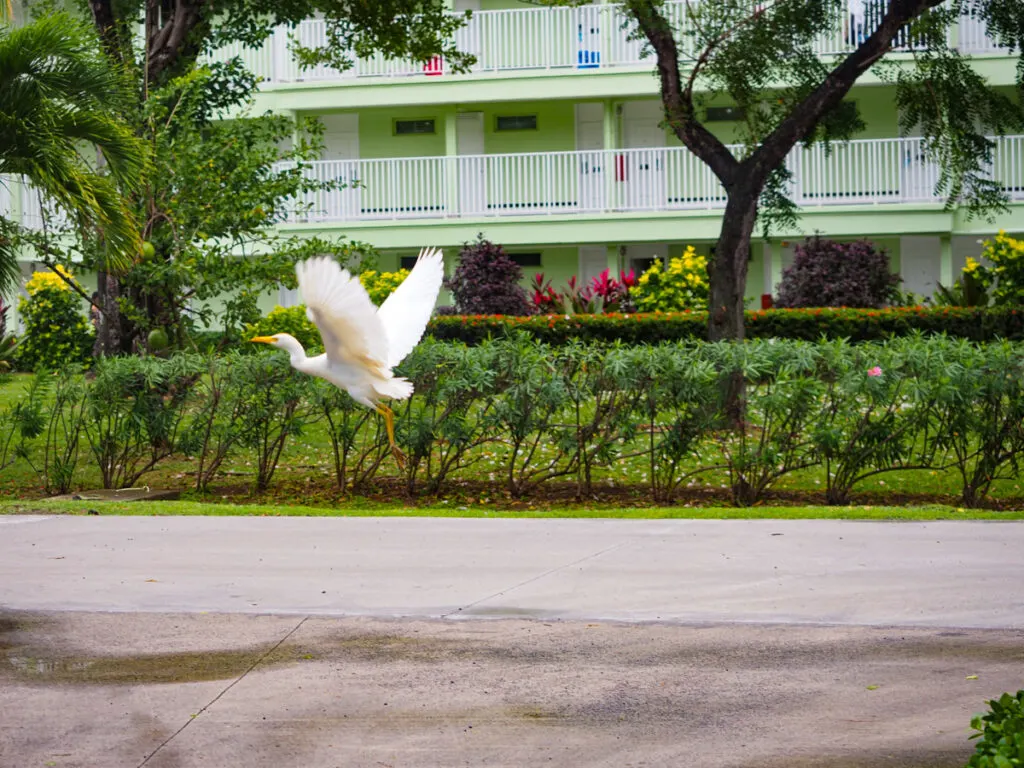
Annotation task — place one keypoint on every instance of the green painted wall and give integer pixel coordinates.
(877, 110)
(377, 139)
(556, 128)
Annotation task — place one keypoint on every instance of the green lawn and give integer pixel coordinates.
(369, 509)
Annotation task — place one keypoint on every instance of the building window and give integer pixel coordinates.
(516, 123)
(414, 127)
(407, 262)
(526, 259)
(725, 114)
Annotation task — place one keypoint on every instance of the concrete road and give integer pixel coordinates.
(968, 574)
(329, 643)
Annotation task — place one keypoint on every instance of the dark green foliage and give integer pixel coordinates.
(826, 273)
(977, 324)
(1000, 734)
(487, 281)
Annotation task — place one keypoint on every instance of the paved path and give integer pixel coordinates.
(328, 643)
(968, 574)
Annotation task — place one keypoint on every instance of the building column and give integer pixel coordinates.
(451, 152)
(614, 262)
(767, 267)
(610, 144)
(946, 260)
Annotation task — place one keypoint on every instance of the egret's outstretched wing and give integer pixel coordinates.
(341, 309)
(404, 314)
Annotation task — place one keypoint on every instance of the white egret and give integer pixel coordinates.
(362, 343)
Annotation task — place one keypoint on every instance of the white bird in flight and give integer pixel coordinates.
(362, 343)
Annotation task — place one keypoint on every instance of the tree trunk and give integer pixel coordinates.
(108, 326)
(728, 284)
(729, 266)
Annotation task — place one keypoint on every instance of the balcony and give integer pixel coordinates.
(588, 38)
(879, 172)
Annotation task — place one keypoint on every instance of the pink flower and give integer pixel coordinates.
(876, 371)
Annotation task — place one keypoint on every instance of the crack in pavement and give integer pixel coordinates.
(218, 697)
(533, 579)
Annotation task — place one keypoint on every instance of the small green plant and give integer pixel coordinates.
(272, 396)
(134, 411)
(1000, 734)
(879, 410)
(971, 290)
(781, 399)
(56, 330)
(64, 431)
(214, 431)
(23, 421)
(380, 285)
(681, 285)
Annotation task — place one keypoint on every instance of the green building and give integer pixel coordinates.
(551, 146)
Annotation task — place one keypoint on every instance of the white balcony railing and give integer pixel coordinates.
(23, 202)
(872, 171)
(587, 37)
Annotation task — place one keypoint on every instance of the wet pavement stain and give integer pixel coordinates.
(25, 665)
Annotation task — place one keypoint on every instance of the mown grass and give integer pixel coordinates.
(371, 509)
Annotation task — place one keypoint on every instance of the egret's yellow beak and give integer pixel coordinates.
(264, 339)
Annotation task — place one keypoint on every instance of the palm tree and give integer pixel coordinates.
(60, 101)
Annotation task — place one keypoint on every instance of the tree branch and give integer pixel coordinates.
(106, 24)
(827, 96)
(677, 100)
(705, 55)
(167, 46)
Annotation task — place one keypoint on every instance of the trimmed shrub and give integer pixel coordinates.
(857, 325)
(57, 332)
(830, 274)
(486, 281)
(682, 285)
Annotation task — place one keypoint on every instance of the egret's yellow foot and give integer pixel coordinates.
(389, 423)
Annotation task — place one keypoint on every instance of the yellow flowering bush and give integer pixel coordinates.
(291, 320)
(683, 284)
(56, 329)
(380, 285)
(1007, 271)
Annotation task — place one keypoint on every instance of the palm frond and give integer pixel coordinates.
(59, 97)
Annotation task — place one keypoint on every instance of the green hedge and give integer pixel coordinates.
(973, 323)
(517, 414)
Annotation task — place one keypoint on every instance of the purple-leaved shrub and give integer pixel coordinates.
(830, 274)
(487, 282)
